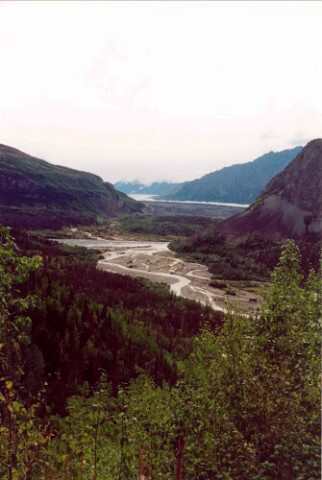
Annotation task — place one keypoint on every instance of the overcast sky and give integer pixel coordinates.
(159, 90)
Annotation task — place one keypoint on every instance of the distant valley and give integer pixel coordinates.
(239, 184)
(291, 204)
(132, 288)
(155, 188)
(161, 293)
(247, 245)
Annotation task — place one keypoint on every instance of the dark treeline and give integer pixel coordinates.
(251, 258)
(168, 226)
(40, 218)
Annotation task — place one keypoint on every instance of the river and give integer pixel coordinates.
(156, 262)
(140, 197)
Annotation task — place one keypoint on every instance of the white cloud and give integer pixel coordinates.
(158, 89)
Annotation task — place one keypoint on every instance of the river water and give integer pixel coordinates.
(140, 197)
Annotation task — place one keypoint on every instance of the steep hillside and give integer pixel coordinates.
(156, 188)
(291, 204)
(238, 183)
(35, 193)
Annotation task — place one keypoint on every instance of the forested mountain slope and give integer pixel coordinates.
(34, 192)
(86, 321)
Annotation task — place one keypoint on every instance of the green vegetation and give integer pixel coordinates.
(250, 258)
(20, 429)
(124, 327)
(165, 226)
(144, 385)
(37, 194)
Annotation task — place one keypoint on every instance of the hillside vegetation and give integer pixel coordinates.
(127, 381)
(165, 226)
(35, 193)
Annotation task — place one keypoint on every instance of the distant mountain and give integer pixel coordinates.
(35, 193)
(156, 188)
(240, 183)
(129, 187)
(291, 204)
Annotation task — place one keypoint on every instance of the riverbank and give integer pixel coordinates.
(155, 262)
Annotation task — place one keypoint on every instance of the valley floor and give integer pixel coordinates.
(154, 261)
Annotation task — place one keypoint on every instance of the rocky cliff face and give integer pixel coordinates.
(34, 192)
(291, 204)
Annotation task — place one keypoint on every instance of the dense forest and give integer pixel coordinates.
(165, 226)
(123, 327)
(247, 258)
(108, 377)
(37, 194)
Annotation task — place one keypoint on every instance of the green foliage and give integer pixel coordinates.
(149, 428)
(244, 403)
(37, 194)
(251, 258)
(87, 444)
(165, 226)
(21, 437)
(125, 327)
(15, 325)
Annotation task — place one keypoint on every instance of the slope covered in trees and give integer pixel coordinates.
(124, 326)
(249, 258)
(35, 193)
(243, 404)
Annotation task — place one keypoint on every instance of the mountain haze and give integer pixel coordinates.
(155, 188)
(36, 193)
(291, 204)
(240, 183)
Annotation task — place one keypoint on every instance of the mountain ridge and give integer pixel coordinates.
(239, 183)
(155, 188)
(34, 192)
(291, 203)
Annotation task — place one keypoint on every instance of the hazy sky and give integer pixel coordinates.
(159, 90)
